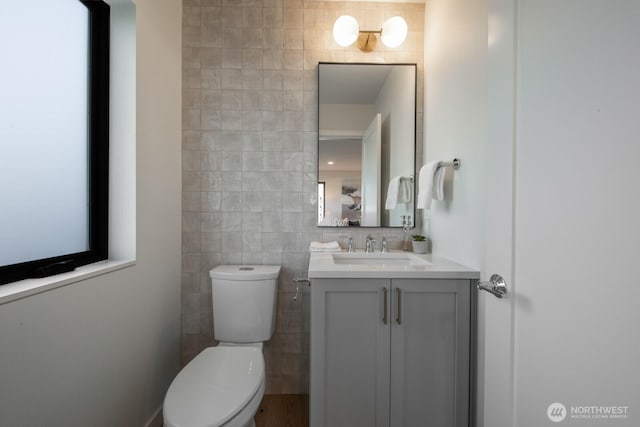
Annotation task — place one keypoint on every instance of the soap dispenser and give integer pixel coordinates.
(406, 234)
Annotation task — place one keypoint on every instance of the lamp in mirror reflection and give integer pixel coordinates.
(346, 31)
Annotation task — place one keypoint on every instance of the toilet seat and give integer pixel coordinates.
(215, 387)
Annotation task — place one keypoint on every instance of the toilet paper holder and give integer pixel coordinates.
(298, 281)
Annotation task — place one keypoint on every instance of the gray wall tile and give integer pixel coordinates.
(250, 152)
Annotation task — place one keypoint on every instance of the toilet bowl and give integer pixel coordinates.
(221, 386)
(224, 385)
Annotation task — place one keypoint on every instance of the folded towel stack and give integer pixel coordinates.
(324, 247)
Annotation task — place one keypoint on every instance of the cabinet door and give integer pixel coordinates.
(349, 353)
(430, 345)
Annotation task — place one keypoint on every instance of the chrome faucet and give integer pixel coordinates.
(369, 244)
(383, 249)
(350, 248)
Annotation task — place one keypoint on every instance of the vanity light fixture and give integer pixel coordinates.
(346, 31)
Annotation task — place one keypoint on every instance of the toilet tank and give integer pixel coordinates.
(244, 302)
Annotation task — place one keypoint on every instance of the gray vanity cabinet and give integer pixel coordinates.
(430, 352)
(390, 352)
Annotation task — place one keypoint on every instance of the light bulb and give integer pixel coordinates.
(345, 30)
(394, 31)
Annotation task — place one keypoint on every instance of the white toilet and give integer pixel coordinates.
(224, 385)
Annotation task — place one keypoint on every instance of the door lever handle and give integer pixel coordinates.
(496, 285)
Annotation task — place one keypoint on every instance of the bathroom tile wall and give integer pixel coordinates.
(250, 148)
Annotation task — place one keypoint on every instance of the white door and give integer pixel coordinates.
(371, 157)
(563, 211)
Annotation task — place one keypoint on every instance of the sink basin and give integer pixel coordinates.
(389, 265)
(377, 259)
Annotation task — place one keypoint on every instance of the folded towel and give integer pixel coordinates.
(438, 183)
(324, 247)
(399, 191)
(392, 193)
(425, 184)
(406, 190)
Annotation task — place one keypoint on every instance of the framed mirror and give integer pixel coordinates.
(366, 144)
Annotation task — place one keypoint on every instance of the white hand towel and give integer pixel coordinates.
(333, 246)
(406, 191)
(438, 184)
(393, 192)
(425, 184)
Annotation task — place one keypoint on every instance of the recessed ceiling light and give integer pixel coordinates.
(330, 163)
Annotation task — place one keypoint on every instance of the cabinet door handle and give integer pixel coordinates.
(384, 308)
(399, 312)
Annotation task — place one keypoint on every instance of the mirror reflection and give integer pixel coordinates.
(366, 144)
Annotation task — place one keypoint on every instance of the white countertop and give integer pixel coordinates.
(322, 265)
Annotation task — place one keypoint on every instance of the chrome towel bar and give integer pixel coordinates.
(455, 164)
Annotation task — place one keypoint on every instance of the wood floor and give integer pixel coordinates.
(283, 410)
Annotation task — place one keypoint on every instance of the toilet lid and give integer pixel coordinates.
(245, 272)
(214, 387)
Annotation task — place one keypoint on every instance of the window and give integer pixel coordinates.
(54, 134)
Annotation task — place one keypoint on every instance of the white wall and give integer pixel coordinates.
(102, 351)
(396, 103)
(456, 124)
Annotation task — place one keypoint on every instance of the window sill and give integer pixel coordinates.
(24, 288)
